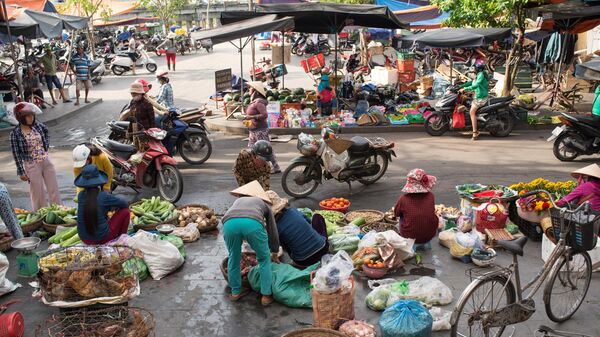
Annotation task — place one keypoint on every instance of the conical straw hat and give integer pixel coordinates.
(590, 170)
(252, 189)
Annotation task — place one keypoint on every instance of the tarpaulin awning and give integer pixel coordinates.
(245, 28)
(125, 22)
(458, 37)
(51, 25)
(13, 7)
(419, 15)
(589, 71)
(575, 16)
(323, 18)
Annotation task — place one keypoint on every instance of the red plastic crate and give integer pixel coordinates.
(406, 77)
(313, 63)
(405, 65)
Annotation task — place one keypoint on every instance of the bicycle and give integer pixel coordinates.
(489, 319)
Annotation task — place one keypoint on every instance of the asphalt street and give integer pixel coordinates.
(193, 301)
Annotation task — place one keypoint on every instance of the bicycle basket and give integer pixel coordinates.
(582, 228)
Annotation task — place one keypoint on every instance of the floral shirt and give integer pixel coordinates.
(20, 146)
(36, 147)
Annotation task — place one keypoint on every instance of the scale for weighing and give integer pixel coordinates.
(27, 260)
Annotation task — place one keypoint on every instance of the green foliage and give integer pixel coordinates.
(165, 9)
(483, 13)
(83, 7)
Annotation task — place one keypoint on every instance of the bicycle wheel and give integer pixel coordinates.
(568, 284)
(475, 306)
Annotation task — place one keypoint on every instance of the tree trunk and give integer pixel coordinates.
(511, 70)
(91, 44)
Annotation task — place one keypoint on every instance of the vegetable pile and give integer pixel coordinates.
(66, 238)
(26, 218)
(59, 215)
(202, 217)
(153, 211)
(331, 220)
(357, 329)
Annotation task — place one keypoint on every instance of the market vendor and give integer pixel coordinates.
(253, 164)
(88, 153)
(93, 225)
(596, 104)
(250, 218)
(306, 243)
(588, 188)
(416, 208)
(481, 87)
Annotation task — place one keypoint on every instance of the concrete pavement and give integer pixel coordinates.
(193, 300)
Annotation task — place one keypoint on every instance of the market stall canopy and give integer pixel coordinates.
(323, 18)
(458, 37)
(13, 7)
(419, 16)
(575, 16)
(245, 28)
(589, 71)
(51, 25)
(126, 22)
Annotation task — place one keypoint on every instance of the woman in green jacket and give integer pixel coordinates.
(481, 88)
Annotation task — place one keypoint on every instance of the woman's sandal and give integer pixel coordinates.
(475, 135)
(235, 298)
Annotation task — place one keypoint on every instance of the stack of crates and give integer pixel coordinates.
(406, 67)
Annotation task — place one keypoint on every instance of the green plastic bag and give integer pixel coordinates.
(176, 241)
(138, 266)
(291, 286)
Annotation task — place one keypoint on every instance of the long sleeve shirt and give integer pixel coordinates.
(8, 214)
(106, 202)
(297, 236)
(19, 147)
(480, 86)
(165, 96)
(416, 212)
(257, 110)
(169, 45)
(588, 191)
(255, 208)
(104, 165)
(143, 112)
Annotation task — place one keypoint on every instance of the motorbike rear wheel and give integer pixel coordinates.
(563, 152)
(436, 125)
(170, 183)
(300, 51)
(151, 67)
(196, 149)
(508, 123)
(378, 158)
(297, 174)
(118, 70)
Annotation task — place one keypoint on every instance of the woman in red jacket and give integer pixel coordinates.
(416, 208)
(256, 114)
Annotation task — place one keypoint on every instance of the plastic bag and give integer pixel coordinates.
(6, 286)
(402, 246)
(369, 240)
(447, 237)
(136, 265)
(406, 319)
(334, 162)
(441, 319)
(290, 285)
(176, 241)
(335, 270)
(161, 256)
(189, 233)
(350, 229)
(378, 297)
(469, 240)
(428, 290)
(344, 242)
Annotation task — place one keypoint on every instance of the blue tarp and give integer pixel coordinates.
(427, 18)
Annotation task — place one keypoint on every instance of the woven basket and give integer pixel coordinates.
(378, 215)
(5, 243)
(51, 228)
(223, 267)
(314, 332)
(201, 230)
(383, 226)
(331, 310)
(33, 226)
(151, 227)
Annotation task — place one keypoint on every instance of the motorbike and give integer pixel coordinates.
(206, 44)
(122, 62)
(152, 168)
(366, 162)
(312, 48)
(184, 45)
(298, 42)
(193, 144)
(98, 70)
(579, 135)
(498, 116)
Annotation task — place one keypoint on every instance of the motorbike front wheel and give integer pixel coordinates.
(299, 51)
(380, 159)
(151, 67)
(296, 180)
(326, 50)
(170, 183)
(196, 149)
(436, 125)
(563, 152)
(118, 70)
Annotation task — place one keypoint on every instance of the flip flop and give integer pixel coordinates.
(235, 298)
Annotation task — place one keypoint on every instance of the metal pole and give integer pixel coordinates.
(335, 45)
(12, 49)
(207, 17)
(252, 43)
(240, 49)
(282, 60)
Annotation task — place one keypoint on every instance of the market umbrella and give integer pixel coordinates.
(458, 37)
(589, 71)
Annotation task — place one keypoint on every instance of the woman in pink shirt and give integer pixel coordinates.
(588, 188)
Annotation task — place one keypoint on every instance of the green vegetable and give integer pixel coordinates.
(71, 241)
(360, 221)
(67, 233)
(298, 91)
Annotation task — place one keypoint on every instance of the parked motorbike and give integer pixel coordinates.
(298, 42)
(98, 70)
(579, 135)
(152, 168)
(366, 163)
(497, 117)
(193, 144)
(312, 48)
(204, 44)
(184, 45)
(122, 63)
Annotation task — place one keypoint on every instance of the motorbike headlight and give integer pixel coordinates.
(157, 134)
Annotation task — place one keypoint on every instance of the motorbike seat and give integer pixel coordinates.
(493, 106)
(122, 124)
(359, 144)
(119, 147)
(495, 100)
(589, 120)
(95, 63)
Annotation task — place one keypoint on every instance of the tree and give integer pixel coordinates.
(86, 8)
(165, 9)
(492, 13)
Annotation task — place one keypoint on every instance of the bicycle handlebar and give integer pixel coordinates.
(585, 205)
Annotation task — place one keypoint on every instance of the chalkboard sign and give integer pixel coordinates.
(223, 80)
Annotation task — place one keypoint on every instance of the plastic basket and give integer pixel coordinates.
(582, 233)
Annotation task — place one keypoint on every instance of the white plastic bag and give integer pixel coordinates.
(441, 319)
(6, 286)
(334, 162)
(402, 246)
(428, 290)
(161, 256)
(369, 240)
(189, 233)
(334, 272)
(349, 229)
(468, 240)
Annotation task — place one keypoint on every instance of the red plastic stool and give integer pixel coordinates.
(12, 324)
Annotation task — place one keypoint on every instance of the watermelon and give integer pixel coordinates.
(227, 98)
(298, 92)
(289, 99)
(247, 101)
(246, 95)
(270, 98)
(237, 97)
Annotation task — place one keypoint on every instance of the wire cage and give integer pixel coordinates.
(86, 272)
(118, 321)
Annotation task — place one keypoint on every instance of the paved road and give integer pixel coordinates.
(192, 302)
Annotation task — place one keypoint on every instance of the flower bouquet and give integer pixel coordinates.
(533, 208)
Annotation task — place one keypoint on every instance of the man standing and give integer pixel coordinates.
(132, 50)
(80, 64)
(48, 61)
